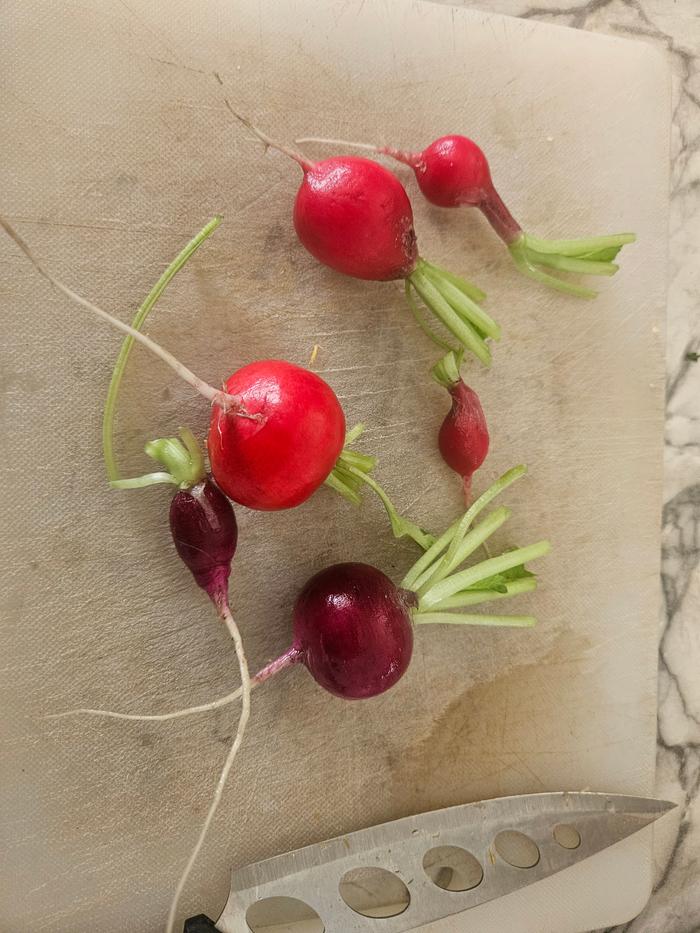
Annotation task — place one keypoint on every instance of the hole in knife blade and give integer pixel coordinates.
(517, 849)
(452, 868)
(283, 915)
(567, 836)
(374, 892)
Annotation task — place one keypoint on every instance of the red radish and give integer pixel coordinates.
(463, 438)
(355, 217)
(454, 172)
(293, 437)
(279, 461)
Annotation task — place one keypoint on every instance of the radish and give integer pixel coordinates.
(354, 216)
(463, 438)
(353, 627)
(277, 430)
(351, 624)
(454, 172)
(279, 461)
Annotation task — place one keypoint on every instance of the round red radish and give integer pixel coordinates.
(354, 216)
(278, 461)
(353, 630)
(453, 171)
(463, 438)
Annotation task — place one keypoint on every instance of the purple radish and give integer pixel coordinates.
(353, 631)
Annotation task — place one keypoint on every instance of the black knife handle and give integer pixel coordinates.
(199, 924)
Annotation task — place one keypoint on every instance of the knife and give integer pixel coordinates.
(422, 868)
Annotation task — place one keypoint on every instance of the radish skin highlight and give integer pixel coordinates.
(454, 172)
(354, 216)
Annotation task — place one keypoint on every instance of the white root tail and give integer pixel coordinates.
(156, 717)
(230, 403)
(223, 777)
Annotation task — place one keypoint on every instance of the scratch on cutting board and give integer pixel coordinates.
(149, 29)
(473, 740)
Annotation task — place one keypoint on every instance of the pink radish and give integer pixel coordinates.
(463, 438)
(277, 430)
(454, 172)
(354, 216)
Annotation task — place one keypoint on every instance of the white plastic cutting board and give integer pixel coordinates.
(115, 147)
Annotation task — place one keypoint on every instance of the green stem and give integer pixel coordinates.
(574, 264)
(414, 576)
(399, 525)
(435, 301)
(481, 571)
(476, 597)
(137, 324)
(352, 471)
(586, 256)
(469, 289)
(451, 301)
(446, 371)
(428, 331)
(482, 532)
(580, 247)
(340, 486)
(468, 310)
(140, 482)
(473, 619)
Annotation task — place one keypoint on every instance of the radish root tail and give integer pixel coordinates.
(229, 403)
(230, 623)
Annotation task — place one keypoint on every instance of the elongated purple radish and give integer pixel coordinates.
(205, 533)
(463, 438)
(454, 172)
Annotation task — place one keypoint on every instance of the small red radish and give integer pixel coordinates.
(277, 431)
(354, 216)
(454, 172)
(463, 438)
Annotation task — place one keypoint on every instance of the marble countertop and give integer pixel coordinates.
(673, 25)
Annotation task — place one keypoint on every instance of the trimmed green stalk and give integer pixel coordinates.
(476, 597)
(453, 618)
(414, 577)
(454, 302)
(481, 571)
(137, 323)
(587, 256)
(441, 588)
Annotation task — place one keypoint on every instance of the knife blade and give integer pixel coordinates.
(423, 868)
